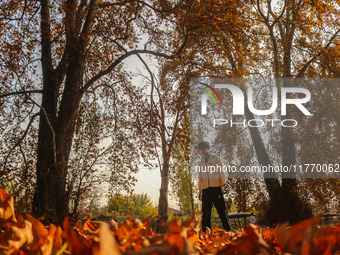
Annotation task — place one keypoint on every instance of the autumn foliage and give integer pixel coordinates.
(30, 236)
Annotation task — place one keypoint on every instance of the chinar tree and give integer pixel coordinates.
(52, 54)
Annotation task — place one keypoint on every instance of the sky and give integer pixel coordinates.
(149, 181)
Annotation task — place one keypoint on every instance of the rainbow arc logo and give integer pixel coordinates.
(209, 93)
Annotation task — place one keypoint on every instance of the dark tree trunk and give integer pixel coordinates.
(284, 201)
(45, 169)
(54, 146)
(45, 198)
(56, 128)
(297, 209)
(276, 212)
(192, 199)
(163, 195)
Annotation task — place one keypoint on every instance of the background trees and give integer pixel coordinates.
(290, 39)
(131, 205)
(298, 32)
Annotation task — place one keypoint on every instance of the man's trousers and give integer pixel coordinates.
(209, 196)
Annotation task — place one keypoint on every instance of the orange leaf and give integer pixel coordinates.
(73, 241)
(289, 238)
(38, 228)
(18, 237)
(175, 236)
(108, 244)
(7, 207)
(88, 226)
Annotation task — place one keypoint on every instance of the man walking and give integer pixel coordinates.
(210, 180)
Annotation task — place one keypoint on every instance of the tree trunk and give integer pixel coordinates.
(45, 169)
(284, 201)
(192, 199)
(163, 195)
(56, 128)
(45, 197)
(297, 209)
(276, 212)
(51, 198)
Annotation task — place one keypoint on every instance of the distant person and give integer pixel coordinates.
(252, 219)
(210, 184)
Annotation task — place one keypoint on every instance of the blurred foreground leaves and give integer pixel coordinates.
(30, 236)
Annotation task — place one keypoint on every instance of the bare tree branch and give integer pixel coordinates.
(104, 5)
(22, 14)
(25, 161)
(162, 10)
(20, 140)
(120, 59)
(152, 88)
(21, 93)
(303, 69)
(107, 4)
